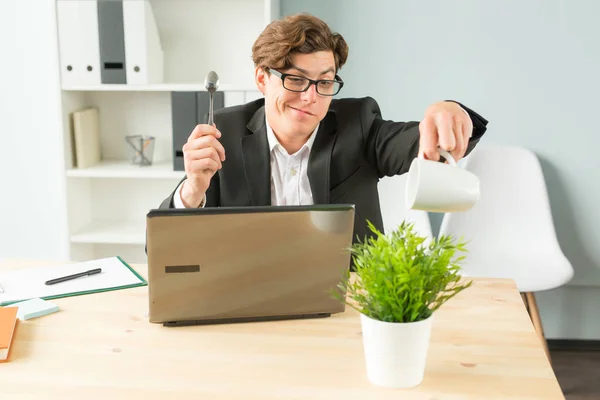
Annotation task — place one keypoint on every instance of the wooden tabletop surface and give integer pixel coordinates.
(101, 345)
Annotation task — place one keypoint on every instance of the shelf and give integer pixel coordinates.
(111, 232)
(122, 169)
(107, 203)
(163, 87)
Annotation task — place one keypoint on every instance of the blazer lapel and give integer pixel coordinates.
(319, 161)
(257, 164)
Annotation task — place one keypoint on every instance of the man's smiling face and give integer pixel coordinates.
(296, 114)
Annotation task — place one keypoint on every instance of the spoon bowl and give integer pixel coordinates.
(211, 82)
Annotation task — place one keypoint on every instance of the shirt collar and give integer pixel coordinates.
(273, 142)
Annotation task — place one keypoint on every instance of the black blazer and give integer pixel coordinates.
(353, 149)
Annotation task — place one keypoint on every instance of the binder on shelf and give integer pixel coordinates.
(189, 109)
(79, 50)
(183, 111)
(143, 51)
(112, 41)
(203, 105)
(108, 42)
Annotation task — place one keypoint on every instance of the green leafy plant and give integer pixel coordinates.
(399, 278)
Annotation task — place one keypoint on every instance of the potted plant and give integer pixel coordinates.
(399, 284)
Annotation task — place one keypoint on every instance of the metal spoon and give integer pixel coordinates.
(211, 83)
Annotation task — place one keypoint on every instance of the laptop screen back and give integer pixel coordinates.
(247, 262)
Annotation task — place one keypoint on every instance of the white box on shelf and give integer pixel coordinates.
(78, 42)
(272, 10)
(144, 58)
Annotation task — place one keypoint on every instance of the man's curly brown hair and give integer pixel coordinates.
(300, 33)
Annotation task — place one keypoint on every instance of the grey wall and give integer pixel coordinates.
(530, 67)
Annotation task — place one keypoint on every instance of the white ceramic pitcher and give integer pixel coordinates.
(440, 187)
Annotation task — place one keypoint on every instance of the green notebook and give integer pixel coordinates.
(28, 283)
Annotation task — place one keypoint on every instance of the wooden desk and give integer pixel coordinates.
(483, 346)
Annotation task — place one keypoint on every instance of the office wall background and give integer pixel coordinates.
(32, 219)
(530, 67)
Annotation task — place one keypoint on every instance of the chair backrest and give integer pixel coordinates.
(513, 212)
(393, 207)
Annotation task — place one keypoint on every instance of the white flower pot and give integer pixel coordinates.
(395, 353)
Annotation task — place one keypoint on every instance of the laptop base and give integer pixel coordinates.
(244, 319)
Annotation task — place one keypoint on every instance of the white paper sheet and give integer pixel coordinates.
(29, 283)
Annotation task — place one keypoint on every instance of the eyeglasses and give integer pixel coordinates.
(295, 83)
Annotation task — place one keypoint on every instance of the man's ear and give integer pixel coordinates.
(260, 78)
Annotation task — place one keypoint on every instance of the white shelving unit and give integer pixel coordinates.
(108, 202)
(156, 87)
(110, 232)
(115, 169)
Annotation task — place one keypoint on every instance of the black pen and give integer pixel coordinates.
(74, 276)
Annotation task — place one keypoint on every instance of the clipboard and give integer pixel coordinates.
(28, 283)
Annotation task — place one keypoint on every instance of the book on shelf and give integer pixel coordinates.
(85, 137)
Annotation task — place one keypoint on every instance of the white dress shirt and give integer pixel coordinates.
(289, 177)
(289, 172)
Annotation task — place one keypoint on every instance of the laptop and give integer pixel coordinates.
(241, 264)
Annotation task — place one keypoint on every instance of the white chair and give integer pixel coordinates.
(393, 207)
(510, 231)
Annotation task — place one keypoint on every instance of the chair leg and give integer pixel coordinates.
(534, 314)
(524, 297)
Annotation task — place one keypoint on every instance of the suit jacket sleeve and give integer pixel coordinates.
(391, 146)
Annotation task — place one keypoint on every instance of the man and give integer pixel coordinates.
(297, 146)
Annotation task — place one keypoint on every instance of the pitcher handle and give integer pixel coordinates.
(447, 156)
